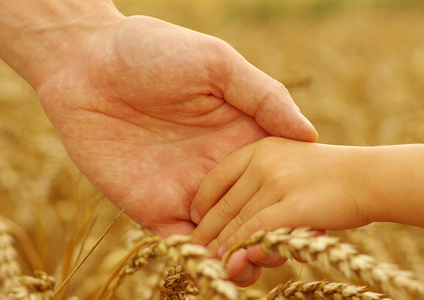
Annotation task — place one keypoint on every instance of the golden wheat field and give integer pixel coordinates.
(355, 69)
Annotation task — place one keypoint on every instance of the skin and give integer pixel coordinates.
(144, 108)
(276, 183)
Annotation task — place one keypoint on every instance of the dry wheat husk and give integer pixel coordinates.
(209, 273)
(300, 290)
(329, 251)
(147, 281)
(141, 255)
(9, 267)
(39, 287)
(134, 234)
(177, 285)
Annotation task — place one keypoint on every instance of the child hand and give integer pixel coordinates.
(277, 183)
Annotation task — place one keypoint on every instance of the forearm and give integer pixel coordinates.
(37, 37)
(396, 181)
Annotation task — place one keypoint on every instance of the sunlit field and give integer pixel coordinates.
(354, 68)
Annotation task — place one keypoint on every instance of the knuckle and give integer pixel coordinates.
(219, 54)
(213, 246)
(281, 87)
(276, 181)
(223, 207)
(239, 221)
(243, 233)
(278, 88)
(220, 172)
(250, 227)
(229, 242)
(200, 236)
(262, 167)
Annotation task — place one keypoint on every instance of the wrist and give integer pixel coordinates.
(367, 171)
(394, 179)
(39, 41)
(357, 167)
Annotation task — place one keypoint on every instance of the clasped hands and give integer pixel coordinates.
(146, 109)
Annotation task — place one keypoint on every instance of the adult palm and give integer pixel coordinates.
(146, 108)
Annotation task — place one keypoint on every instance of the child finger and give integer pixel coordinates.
(225, 210)
(260, 258)
(218, 181)
(261, 200)
(272, 217)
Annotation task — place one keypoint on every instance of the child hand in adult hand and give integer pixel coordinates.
(277, 183)
(144, 108)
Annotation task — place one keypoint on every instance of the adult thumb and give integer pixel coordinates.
(264, 98)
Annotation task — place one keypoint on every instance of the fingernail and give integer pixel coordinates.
(195, 216)
(222, 251)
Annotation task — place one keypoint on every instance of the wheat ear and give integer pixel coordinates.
(9, 267)
(40, 287)
(133, 261)
(177, 284)
(329, 251)
(322, 290)
(134, 234)
(209, 273)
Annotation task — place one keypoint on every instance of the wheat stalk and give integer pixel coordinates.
(321, 290)
(329, 251)
(253, 294)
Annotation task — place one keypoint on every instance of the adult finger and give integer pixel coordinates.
(177, 227)
(257, 94)
(261, 259)
(241, 271)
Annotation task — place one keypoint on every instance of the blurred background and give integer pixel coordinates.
(355, 69)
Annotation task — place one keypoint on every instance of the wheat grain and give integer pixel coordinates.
(148, 280)
(146, 286)
(145, 251)
(9, 267)
(321, 290)
(39, 287)
(176, 283)
(329, 251)
(209, 273)
(134, 234)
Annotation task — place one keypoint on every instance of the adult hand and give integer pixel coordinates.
(146, 108)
